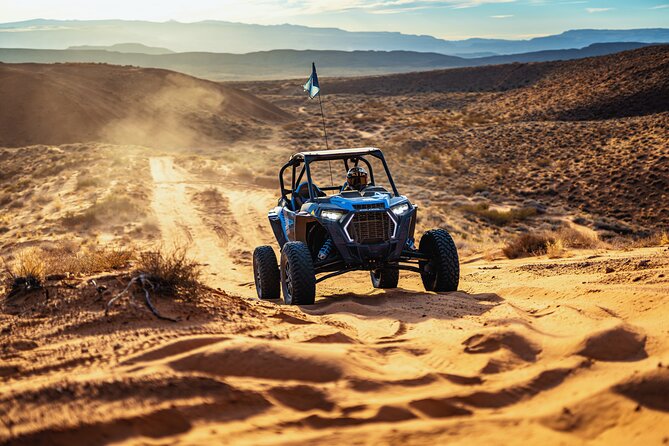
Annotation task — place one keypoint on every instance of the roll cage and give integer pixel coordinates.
(302, 160)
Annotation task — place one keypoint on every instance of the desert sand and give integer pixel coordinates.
(566, 347)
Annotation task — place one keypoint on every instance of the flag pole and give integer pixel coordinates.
(320, 102)
(325, 132)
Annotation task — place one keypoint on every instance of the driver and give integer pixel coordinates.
(356, 179)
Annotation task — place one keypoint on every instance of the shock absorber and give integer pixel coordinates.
(325, 249)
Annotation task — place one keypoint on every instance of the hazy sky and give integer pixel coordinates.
(446, 19)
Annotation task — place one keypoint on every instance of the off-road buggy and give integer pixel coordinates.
(328, 235)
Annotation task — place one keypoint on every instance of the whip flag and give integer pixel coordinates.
(312, 86)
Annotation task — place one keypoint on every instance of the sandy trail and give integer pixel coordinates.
(181, 225)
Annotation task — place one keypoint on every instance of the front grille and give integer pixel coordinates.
(370, 227)
(365, 207)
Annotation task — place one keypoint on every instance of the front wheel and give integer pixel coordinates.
(266, 273)
(442, 271)
(298, 277)
(385, 278)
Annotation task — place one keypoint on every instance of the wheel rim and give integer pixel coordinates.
(289, 281)
(257, 278)
(429, 274)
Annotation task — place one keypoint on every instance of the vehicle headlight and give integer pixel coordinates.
(400, 209)
(331, 215)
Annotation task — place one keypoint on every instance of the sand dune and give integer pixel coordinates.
(64, 103)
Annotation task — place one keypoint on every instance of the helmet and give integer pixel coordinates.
(356, 178)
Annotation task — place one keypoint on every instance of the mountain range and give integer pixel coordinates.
(228, 37)
(281, 64)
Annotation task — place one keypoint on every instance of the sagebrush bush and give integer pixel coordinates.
(529, 244)
(573, 238)
(555, 249)
(86, 181)
(171, 271)
(498, 218)
(29, 264)
(553, 243)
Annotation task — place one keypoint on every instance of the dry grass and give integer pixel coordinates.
(498, 218)
(573, 238)
(656, 239)
(34, 265)
(29, 264)
(552, 243)
(27, 272)
(172, 272)
(555, 249)
(528, 245)
(85, 181)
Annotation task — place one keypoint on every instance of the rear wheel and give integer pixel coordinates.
(385, 278)
(266, 273)
(298, 277)
(442, 271)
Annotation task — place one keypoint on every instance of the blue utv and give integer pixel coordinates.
(361, 225)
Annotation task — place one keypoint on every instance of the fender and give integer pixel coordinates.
(302, 219)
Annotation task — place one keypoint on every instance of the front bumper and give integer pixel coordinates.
(372, 255)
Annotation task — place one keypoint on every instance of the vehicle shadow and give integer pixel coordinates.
(405, 305)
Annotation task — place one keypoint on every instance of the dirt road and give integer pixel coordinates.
(223, 249)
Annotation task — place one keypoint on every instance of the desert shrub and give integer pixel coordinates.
(573, 238)
(25, 273)
(63, 259)
(555, 249)
(86, 181)
(86, 219)
(552, 243)
(649, 241)
(172, 272)
(499, 218)
(478, 187)
(114, 205)
(104, 259)
(528, 244)
(29, 264)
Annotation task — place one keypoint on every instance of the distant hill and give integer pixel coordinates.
(281, 64)
(227, 37)
(630, 83)
(63, 103)
(125, 48)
